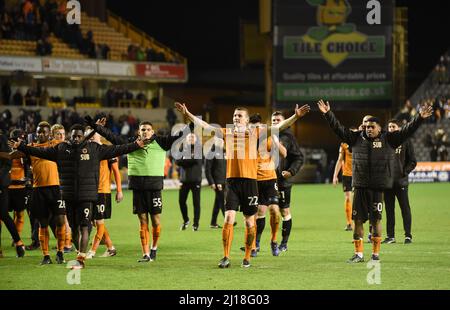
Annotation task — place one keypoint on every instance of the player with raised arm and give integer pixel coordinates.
(146, 179)
(373, 155)
(242, 168)
(78, 166)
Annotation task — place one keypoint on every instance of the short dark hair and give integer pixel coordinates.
(374, 119)
(255, 118)
(395, 121)
(44, 124)
(76, 127)
(145, 123)
(277, 113)
(242, 109)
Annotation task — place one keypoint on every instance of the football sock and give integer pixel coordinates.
(98, 236)
(274, 226)
(376, 243)
(260, 225)
(108, 240)
(227, 238)
(249, 237)
(43, 240)
(359, 247)
(348, 211)
(60, 236)
(286, 230)
(156, 231)
(144, 234)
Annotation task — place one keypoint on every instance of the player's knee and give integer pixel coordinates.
(143, 219)
(261, 212)
(43, 223)
(274, 209)
(155, 223)
(249, 222)
(84, 224)
(229, 217)
(285, 213)
(357, 236)
(59, 220)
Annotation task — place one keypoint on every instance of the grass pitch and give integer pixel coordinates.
(318, 249)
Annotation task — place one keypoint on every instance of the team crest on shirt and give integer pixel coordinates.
(84, 156)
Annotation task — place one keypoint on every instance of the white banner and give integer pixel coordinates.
(20, 63)
(69, 66)
(116, 68)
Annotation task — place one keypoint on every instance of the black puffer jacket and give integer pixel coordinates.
(5, 165)
(78, 165)
(373, 158)
(216, 167)
(294, 159)
(404, 162)
(190, 164)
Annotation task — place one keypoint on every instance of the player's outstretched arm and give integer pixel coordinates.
(345, 134)
(299, 113)
(49, 153)
(181, 107)
(111, 151)
(396, 138)
(100, 128)
(12, 155)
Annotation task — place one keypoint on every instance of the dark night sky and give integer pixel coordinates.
(204, 31)
(207, 32)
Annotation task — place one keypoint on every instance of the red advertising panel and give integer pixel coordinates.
(161, 71)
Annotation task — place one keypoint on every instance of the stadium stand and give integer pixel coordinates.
(28, 24)
(435, 90)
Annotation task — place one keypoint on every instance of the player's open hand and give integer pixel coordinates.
(181, 107)
(101, 122)
(14, 144)
(302, 111)
(323, 107)
(426, 111)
